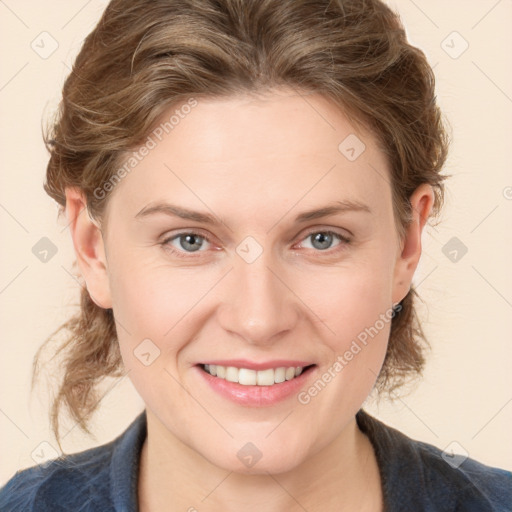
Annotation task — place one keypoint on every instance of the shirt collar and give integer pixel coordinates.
(125, 466)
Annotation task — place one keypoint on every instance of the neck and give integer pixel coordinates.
(342, 476)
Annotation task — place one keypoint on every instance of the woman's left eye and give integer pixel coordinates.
(187, 243)
(322, 240)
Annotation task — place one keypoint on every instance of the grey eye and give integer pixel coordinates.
(321, 240)
(190, 242)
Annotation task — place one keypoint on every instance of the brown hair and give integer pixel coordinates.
(146, 55)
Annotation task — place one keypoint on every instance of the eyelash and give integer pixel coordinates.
(183, 254)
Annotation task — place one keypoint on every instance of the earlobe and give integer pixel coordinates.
(89, 248)
(408, 258)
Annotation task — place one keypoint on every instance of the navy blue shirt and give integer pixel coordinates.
(415, 477)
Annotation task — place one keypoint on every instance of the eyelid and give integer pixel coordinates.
(341, 232)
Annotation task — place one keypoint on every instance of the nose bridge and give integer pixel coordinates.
(259, 306)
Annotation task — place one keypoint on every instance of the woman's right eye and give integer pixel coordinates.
(184, 243)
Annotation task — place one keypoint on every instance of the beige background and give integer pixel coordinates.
(466, 395)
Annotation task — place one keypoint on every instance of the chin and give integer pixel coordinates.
(251, 461)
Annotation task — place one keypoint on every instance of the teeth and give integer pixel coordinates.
(231, 374)
(249, 377)
(265, 377)
(279, 375)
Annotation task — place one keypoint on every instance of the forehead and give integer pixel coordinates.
(275, 149)
(277, 122)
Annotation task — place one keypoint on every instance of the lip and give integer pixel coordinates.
(255, 396)
(264, 365)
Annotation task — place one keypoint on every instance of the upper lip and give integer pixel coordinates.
(263, 365)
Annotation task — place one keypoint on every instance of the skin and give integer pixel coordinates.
(255, 163)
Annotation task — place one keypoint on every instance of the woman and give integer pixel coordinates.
(246, 185)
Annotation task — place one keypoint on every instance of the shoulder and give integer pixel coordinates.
(471, 484)
(460, 466)
(62, 482)
(420, 476)
(101, 478)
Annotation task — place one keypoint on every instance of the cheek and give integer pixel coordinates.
(354, 305)
(152, 301)
(359, 318)
(147, 294)
(349, 299)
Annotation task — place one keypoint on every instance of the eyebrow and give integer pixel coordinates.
(206, 218)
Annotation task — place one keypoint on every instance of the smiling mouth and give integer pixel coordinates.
(248, 377)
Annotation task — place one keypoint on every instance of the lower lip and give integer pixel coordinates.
(256, 396)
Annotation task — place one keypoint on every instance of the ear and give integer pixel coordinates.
(89, 248)
(407, 260)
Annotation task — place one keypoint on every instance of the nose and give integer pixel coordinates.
(260, 305)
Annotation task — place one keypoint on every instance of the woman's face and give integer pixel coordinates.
(251, 275)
